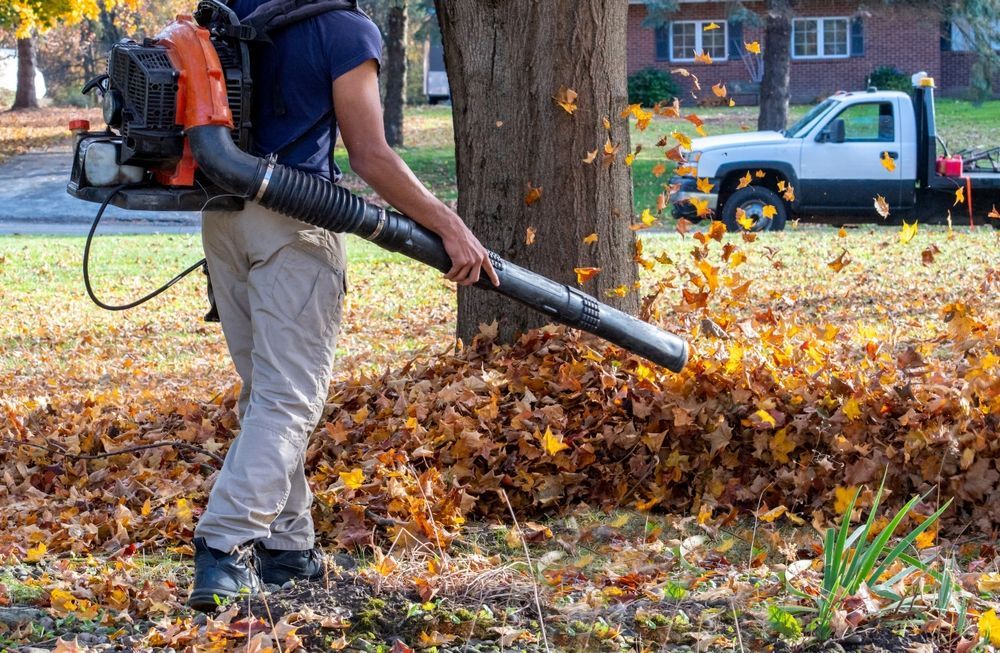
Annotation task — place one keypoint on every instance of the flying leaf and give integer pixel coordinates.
(744, 181)
(648, 218)
(629, 159)
(701, 206)
(704, 185)
(606, 123)
(710, 27)
(620, 291)
(686, 171)
(842, 233)
(590, 240)
(743, 219)
(590, 157)
(927, 256)
(789, 194)
(682, 139)
(353, 479)
(585, 274)
(839, 263)
(566, 98)
(694, 120)
(552, 444)
(532, 195)
(719, 89)
(888, 162)
(760, 174)
(994, 213)
(781, 185)
(702, 57)
(608, 157)
(769, 211)
(959, 196)
(661, 202)
(753, 46)
(908, 232)
(529, 236)
(659, 169)
(881, 206)
(732, 102)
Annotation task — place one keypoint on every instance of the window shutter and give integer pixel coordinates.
(735, 33)
(663, 42)
(857, 37)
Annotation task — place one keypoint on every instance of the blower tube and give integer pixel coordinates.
(314, 200)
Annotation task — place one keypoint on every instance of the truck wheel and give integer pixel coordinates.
(752, 200)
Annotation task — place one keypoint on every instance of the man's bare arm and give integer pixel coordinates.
(358, 109)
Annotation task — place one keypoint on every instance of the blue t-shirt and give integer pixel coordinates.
(293, 84)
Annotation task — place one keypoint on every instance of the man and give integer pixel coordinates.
(279, 286)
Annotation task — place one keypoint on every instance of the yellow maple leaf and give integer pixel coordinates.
(760, 174)
(552, 444)
(629, 159)
(852, 409)
(184, 510)
(710, 27)
(353, 479)
(682, 139)
(745, 181)
(743, 219)
(648, 218)
(719, 89)
(926, 539)
(686, 171)
(385, 566)
(753, 46)
(34, 554)
(566, 98)
(989, 627)
(888, 162)
(908, 232)
(585, 274)
(701, 206)
(704, 185)
(147, 507)
(959, 196)
(769, 211)
(590, 240)
(842, 496)
(765, 417)
(620, 291)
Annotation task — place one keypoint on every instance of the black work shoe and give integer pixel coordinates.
(279, 567)
(221, 576)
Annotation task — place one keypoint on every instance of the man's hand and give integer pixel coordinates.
(358, 108)
(468, 256)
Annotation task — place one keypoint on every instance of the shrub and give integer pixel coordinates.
(889, 78)
(649, 86)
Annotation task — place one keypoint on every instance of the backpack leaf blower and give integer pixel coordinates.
(178, 139)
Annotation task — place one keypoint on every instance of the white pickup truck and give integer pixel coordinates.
(835, 160)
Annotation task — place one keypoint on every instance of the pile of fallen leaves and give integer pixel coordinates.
(38, 129)
(772, 412)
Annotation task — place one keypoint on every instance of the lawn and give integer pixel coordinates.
(659, 535)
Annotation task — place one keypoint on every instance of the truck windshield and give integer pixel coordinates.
(800, 126)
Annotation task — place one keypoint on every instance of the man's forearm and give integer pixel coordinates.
(393, 180)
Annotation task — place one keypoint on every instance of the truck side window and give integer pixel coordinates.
(872, 122)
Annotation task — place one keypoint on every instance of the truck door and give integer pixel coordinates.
(849, 173)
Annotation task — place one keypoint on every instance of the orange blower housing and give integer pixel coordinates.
(194, 73)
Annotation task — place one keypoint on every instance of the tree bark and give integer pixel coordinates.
(25, 97)
(777, 62)
(505, 62)
(395, 71)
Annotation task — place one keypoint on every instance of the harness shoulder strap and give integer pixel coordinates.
(276, 15)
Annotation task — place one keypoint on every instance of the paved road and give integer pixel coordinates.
(33, 200)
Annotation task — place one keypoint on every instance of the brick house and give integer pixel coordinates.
(836, 44)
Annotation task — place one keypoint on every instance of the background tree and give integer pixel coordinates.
(30, 19)
(395, 69)
(777, 54)
(518, 153)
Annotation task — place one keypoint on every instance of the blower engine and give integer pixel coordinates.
(178, 118)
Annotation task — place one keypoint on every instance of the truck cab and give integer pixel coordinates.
(834, 161)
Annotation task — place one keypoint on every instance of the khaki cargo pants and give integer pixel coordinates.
(279, 285)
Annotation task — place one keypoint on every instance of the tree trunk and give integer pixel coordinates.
(777, 61)
(395, 72)
(26, 97)
(505, 62)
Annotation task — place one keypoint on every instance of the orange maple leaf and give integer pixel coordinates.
(566, 98)
(702, 57)
(532, 194)
(585, 274)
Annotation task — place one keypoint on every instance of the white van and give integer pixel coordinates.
(435, 77)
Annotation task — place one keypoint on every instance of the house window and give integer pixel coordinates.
(680, 40)
(814, 38)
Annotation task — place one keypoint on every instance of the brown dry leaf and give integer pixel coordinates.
(566, 98)
(529, 236)
(608, 157)
(840, 262)
(881, 206)
(590, 157)
(532, 194)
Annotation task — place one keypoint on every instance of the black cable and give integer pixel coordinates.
(86, 262)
